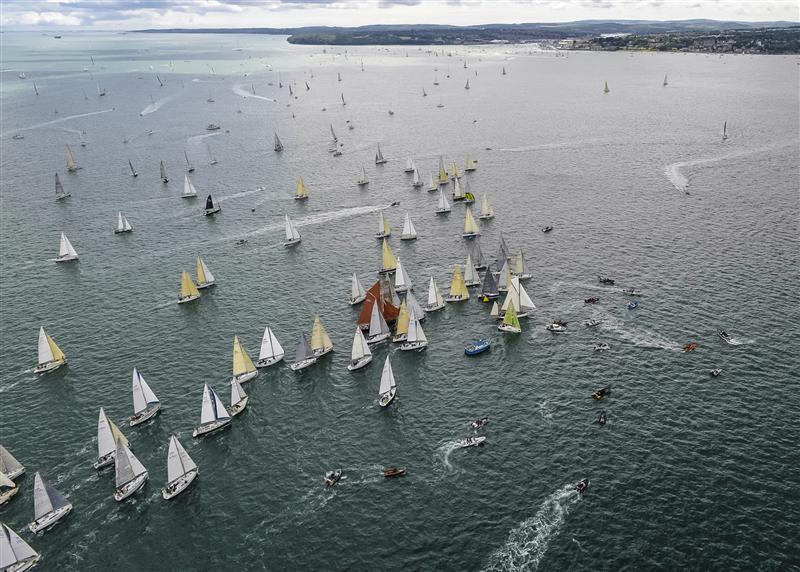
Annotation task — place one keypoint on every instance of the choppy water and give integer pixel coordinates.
(690, 472)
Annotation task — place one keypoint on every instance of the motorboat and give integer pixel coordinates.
(582, 486)
(333, 477)
(602, 392)
(601, 347)
(690, 347)
(470, 442)
(479, 423)
(592, 300)
(592, 322)
(393, 472)
(633, 304)
(716, 372)
(477, 347)
(547, 229)
(212, 127)
(18, 137)
(557, 327)
(631, 292)
(725, 336)
(602, 418)
(605, 280)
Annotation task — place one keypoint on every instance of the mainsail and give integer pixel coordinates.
(178, 460)
(188, 289)
(189, 189)
(241, 360)
(320, 341)
(46, 499)
(360, 347)
(301, 191)
(270, 347)
(458, 288)
(389, 259)
(143, 396)
(409, 231)
(71, 165)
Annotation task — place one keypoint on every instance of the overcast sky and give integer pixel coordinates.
(133, 14)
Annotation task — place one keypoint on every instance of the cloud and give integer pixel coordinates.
(30, 18)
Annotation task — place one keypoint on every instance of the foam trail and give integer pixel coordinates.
(153, 107)
(641, 338)
(201, 137)
(443, 453)
(55, 121)
(320, 218)
(239, 90)
(528, 542)
(240, 194)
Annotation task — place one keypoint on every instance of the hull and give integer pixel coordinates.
(266, 362)
(473, 283)
(381, 235)
(188, 196)
(400, 338)
(131, 487)
(455, 299)
(301, 365)
(105, 461)
(239, 407)
(509, 329)
(176, 487)
(206, 285)
(318, 353)
(211, 427)
(486, 217)
(123, 231)
(291, 242)
(387, 397)
(442, 211)
(24, 565)
(414, 346)
(363, 183)
(242, 378)
(387, 270)
(470, 234)
(300, 198)
(523, 277)
(67, 258)
(354, 301)
(49, 366)
(187, 299)
(50, 519)
(377, 338)
(8, 495)
(435, 308)
(145, 415)
(408, 237)
(63, 196)
(352, 366)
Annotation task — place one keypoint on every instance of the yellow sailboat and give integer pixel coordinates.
(455, 174)
(384, 228)
(389, 264)
(71, 165)
(470, 164)
(510, 322)
(458, 288)
(401, 326)
(204, 276)
(320, 342)
(443, 177)
(470, 226)
(50, 355)
(243, 367)
(189, 291)
(301, 192)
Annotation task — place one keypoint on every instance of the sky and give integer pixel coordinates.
(137, 14)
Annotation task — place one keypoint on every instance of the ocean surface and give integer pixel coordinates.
(691, 472)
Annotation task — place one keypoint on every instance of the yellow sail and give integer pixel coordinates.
(403, 318)
(201, 274)
(458, 287)
(302, 190)
(319, 337)
(519, 264)
(71, 166)
(469, 164)
(241, 361)
(187, 286)
(58, 355)
(470, 227)
(118, 436)
(443, 178)
(510, 318)
(389, 259)
(456, 174)
(387, 229)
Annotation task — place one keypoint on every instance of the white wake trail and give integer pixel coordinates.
(55, 121)
(158, 104)
(239, 90)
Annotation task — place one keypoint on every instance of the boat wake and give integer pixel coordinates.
(314, 219)
(194, 138)
(239, 90)
(640, 338)
(55, 121)
(442, 454)
(153, 107)
(545, 411)
(240, 194)
(528, 542)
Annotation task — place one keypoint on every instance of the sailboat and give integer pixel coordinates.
(455, 174)
(163, 172)
(49, 505)
(101, 91)
(360, 355)
(389, 263)
(60, 194)
(16, 555)
(334, 146)
(10, 489)
(304, 356)
(489, 287)
(444, 179)
(458, 191)
(278, 146)
(470, 164)
(9, 465)
(243, 367)
(145, 402)
(363, 180)
(321, 344)
(605, 88)
(189, 291)
(378, 328)
(66, 252)
(510, 322)
(424, 94)
(238, 398)
(443, 207)
(503, 253)
(134, 174)
(388, 387)
(478, 258)
(519, 268)
(458, 288)
(469, 198)
(211, 159)
(517, 298)
(435, 301)
(212, 207)
(204, 277)
(724, 131)
(504, 278)
(471, 229)
(384, 228)
(50, 355)
(72, 166)
(35, 89)
(409, 165)
(504, 70)
(665, 81)
(107, 436)
(416, 181)
(416, 339)
(181, 469)
(433, 185)
(487, 212)
(189, 190)
(189, 168)
(271, 350)
(466, 85)
(412, 304)
(122, 224)
(409, 232)
(301, 190)
(401, 324)
(357, 293)
(471, 277)
(213, 415)
(129, 472)
(402, 281)
(379, 159)
(292, 235)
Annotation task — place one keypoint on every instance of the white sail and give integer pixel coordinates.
(189, 189)
(209, 277)
(402, 281)
(207, 414)
(444, 206)
(486, 209)
(377, 323)
(13, 549)
(434, 297)
(432, 184)
(122, 223)
(413, 305)
(270, 347)
(458, 192)
(409, 165)
(504, 278)
(470, 274)
(417, 180)
(178, 460)
(126, 467)
(46, 499)
(415, 332)
(143, 396)
(387, 377)
(45, 351)
(65, 248)
(360, 346)
(107, 435)
(409, 231)
(363, 180)
(8, 463)
(356, 289)
(237, 393)
(291, 231)
(525, 300)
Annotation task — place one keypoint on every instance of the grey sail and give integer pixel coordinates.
(304, 350)
(489, 287)
(503, 253)
(46, 499)
(478, 258)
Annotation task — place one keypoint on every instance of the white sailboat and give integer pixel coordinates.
(416, 340)
(487, 212)
(189, 291)
(122, 224)
(435, 300)
(238, 398)
(519, 268)
(213, 415)
(388, 387)
(321, 343)
(204, 277)
(471, 276)
(416, 180)
(357, 292)
(360, 355)
(181, 470)
(134, 174)
(7, 489)
(471, 229)
(470, 164)
(189, 190)
(458, 288)
(278, 146)
(409, 232)
(504, 278)
(379, 159)
(413, 304)
(107, 436)
(163, 173)
(16, 555)
(189, 167)
(271, 350)
(363, 180)
(212, 206)
(605, 88)
(409, 165)
(243, 367)
(50, 356)
(145, 402)
(304, 355)
(455, 174)
(433, 184)
(72, 166)
(60, 193)
(9, 465)
(130, 474)
(292, 235)
(66, 252)
(301, 190)
(518, 298)
(378, 328)
(458, 191)
(384, 228)
(49, 505)
(443, 206)
(402, 281)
